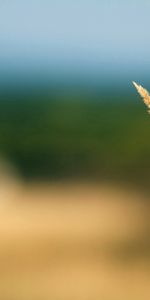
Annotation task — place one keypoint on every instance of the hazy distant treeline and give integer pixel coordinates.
(57, 136)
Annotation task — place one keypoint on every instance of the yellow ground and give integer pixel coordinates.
(73, 241)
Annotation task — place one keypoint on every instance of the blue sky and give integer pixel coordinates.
(88, 35)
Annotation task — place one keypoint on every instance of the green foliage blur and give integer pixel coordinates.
(58, 135)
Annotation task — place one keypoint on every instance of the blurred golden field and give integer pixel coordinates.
(62, 237)
(73, 241)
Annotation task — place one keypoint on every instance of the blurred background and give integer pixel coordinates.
(74, 149)
(67, 104)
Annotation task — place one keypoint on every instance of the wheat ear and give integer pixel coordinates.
(144, 94)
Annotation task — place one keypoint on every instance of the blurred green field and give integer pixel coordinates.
(59, 135)
(74, 239)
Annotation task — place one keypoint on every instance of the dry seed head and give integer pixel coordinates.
(143, 93)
